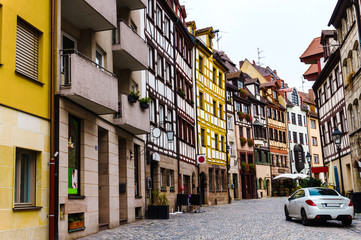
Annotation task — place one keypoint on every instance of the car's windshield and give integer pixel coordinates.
(322, 191)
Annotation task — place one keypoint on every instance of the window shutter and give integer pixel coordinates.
(27, 50)
(263, 156)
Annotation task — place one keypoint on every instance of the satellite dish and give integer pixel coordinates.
(156, 132)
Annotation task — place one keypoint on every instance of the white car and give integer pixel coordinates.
(319, 204)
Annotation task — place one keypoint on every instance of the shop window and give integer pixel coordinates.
(74, 156)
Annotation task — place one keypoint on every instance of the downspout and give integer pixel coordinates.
(196, 121)
(52, 166)
(227, 149)
(176, 108)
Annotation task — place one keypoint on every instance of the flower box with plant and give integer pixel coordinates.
(252, 167)
(75, 221)
(244, 166)
(241, 115)
(144, 102)
(243, 141)
(250, 142)
(163, 189)
(133, 96)
(158, 206)
(181, 92)
(190, 102)
(243, 93)
(248, 117)
(171, 188)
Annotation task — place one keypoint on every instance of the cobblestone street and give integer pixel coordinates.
(246, 219)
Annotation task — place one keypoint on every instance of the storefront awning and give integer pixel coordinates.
(319, 169)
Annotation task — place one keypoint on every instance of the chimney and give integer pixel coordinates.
(254, 63)
(311, 94)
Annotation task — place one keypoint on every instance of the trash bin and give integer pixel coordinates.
(356, 199)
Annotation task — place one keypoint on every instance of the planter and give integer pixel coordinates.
(76, 225)
(158, 212)
(144, 105)
(132, 98)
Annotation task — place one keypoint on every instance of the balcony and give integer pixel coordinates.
(87, 84)
(129, 50)
(132, 4)
(132, 117)
(90, 14)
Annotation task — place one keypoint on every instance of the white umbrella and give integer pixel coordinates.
(291, 176)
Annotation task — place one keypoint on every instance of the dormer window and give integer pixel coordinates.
(209, 41)
(294, 97)
(256, 89)
(274, 94)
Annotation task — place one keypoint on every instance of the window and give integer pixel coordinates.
(201, 100)
(222, 143)
(216, 141)
(274, 114)
(245, 108)
(214, 75)
(229, 122)
(256, 89)
(74, 156)
(315, 159)
(220, 78)
(217, 180)
(27, 50)
(160, 66)
(151, 57)
(238, 106)
(279, 116)
(152, 110)
(203, 137)
(220, 111)
(274, 94)
(301, 138)
(210, 179)
(161, 115)
(99, 58)
(170, 178)
(271, 133)
(269, 113)
(314, 141)
(240, 84)
(223, 186)
(25, 178)
(159, 18)
(280, 136)
(228, 95)
(299, 119)
(284, 137)
(294, 97)
(248, 131)
(293, 117)
(295, 137)
(231, 146)
(276, 135)
(209, 41)
(150, 8)
(241, 131)
(200, 65)
(167, 27)
(325, 90)
(214, 108)
(282, 117)
(343, 122)
(167, 72)
(255, 110)
(313, 124)
(262, 112)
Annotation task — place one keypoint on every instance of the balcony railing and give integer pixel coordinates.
(87, 83)
(130, 51)
(132, 117)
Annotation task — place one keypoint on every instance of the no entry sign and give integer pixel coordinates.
(201, 159)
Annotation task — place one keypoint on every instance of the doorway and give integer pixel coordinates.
(235, 185)
(103, 179)
(203, 187)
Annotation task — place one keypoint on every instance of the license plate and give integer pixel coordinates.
(332, 204)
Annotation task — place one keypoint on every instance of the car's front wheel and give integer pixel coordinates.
(287, 215)
(304, 218)
(346, 222)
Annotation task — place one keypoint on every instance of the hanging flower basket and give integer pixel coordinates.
(243, 93)
(250, 142)
(248, 117)
(243, 141)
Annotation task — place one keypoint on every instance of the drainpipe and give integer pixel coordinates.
(227, 149)
(176, 110)
(52, 217)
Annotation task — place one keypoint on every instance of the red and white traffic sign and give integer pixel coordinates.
(201, 159)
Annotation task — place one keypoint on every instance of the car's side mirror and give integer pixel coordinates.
(289, 199)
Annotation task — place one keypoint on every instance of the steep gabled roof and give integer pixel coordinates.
(313, 50)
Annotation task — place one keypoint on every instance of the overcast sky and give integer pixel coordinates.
(282, 29)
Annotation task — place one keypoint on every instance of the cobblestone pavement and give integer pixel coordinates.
(246, 219)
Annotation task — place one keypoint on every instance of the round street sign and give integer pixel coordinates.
(201, 159)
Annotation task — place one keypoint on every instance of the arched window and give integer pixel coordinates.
(260, 183)
(350, 64)
(357, 109)
(294, 97)
(352, 117)
(356, 52)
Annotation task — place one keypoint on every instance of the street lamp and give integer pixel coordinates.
(336, 135)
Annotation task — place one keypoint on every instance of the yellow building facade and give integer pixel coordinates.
(211, 117)
(24, 118)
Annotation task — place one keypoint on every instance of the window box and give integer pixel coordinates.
(163, 189)
(172, 189)
(144, 102)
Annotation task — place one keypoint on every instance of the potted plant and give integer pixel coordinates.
(241, 115)
(75, 222)
(248, 117)
(243, 93)
(133, 96)
(252, 167)
(275, 193)
(181, 92)
(158, 207)
(250, 142)
(244, 166)
(144, 102)
(287, 191)
(243, 141)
